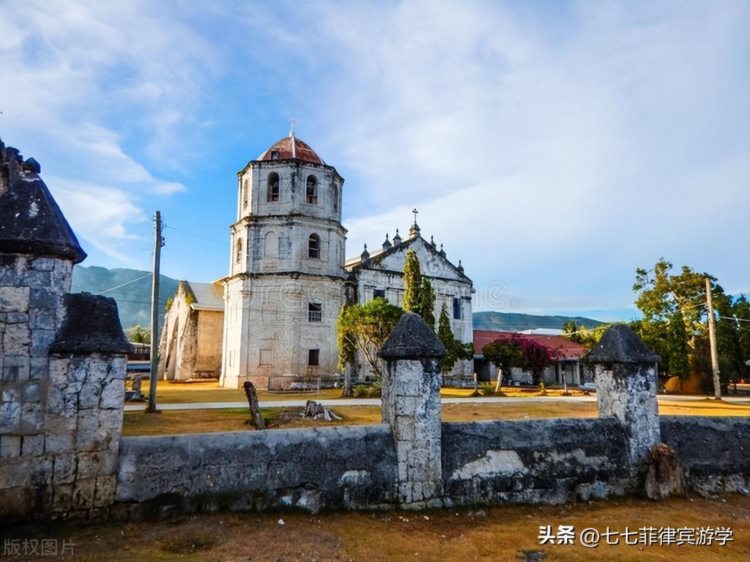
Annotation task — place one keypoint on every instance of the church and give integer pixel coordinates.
(289, 278)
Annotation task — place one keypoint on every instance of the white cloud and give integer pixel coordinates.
(543, 151)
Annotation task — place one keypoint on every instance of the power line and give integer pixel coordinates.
(192, 234)
(124, 284)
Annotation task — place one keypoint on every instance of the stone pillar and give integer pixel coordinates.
(62, 360)
(626, 388)
(411, 406)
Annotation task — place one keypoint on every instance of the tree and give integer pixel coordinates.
(345, 340)
(518, 351)
(419, 296)
(536, 358)
(455, 349)
(139, 334)
(365, 328)
(504, 353)
(580, 334)
(677, 347)
(412, 282)
(426, 308)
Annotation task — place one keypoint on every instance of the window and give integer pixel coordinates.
(313, 357)
(314, 312)
(265, 357)
(273, 187)
(335, 198)
(457, 309)
(283, 246)
(244, 193)
(313, 246)
(275, 155)
(312, 190)
(378, 294)
(238, 257)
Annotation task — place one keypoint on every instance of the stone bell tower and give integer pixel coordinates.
(286, 271)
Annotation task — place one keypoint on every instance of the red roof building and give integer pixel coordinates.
(568, 355)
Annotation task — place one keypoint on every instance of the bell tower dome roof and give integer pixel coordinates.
(291, 148)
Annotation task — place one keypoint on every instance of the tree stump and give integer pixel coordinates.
(664, 476)
(316, 410)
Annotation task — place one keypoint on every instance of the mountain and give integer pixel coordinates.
(513, 321)
(131, 288)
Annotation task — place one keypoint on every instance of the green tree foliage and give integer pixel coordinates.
(677, 346)
(521, 352)
(665, 298)
(426, 308)
(456, 350)
(412, 282)
(139, 334)
(365, 328)
(419, 296)
(580, 334)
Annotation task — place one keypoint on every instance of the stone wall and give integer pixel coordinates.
(351, 467)
(715, 452)
(356, 467)
(549, 461)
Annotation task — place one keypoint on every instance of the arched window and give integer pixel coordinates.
(270, 245)
(312, 190)
(313, 246)
(273, 187)
(335, 198)
(245, 188)
(238, 257)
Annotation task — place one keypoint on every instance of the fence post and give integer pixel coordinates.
(626, 386)
(411, 406)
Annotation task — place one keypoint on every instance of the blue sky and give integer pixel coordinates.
(552, 146)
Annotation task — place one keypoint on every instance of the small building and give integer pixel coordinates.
(190, 343)
(567, 354)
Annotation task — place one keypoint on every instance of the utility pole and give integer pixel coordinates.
(712, 340)
(158, 243)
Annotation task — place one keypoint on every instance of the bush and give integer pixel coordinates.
(360, 391)
(487, 389)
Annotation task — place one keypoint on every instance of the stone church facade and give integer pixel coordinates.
(288, 276)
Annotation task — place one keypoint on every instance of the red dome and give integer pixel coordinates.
(291, 147)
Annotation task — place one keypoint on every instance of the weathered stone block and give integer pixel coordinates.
(113, 395)
(15, 472)
(14, 299)
(43, 319)
(32, 417)
(32, 392)
(10, 416)
(15, 368)
(40, 342)
(64, 469)
(97, 463)
(32, 445)
(42, 264)
(58, 444)
(16, 339)
(104, 494)
(10, 446)
(89, 396)
(63, 497)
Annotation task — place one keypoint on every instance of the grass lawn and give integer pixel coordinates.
(494, 534)
(194, 392)
(233, 419)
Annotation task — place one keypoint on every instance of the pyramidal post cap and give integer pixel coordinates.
(412, 338)
(31, 222)
(620, 344)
